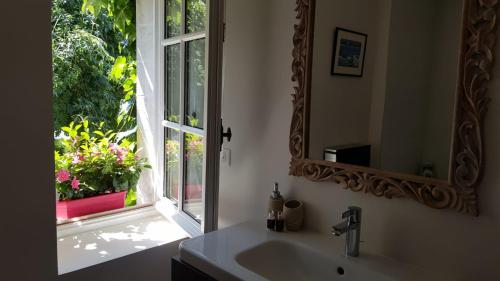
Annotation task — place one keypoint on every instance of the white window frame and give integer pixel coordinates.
(212, 121)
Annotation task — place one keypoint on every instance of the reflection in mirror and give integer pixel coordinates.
(397, 115)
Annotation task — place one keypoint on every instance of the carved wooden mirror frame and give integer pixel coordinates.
(467, 159)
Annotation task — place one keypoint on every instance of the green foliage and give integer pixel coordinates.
(93, 162)
(89, 75)
(122, 12)
(131, 199)
(196, 12)
(124, 70)
(174, 18)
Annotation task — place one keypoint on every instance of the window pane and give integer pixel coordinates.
(193, 189)
(195, 83)
(172, 83)
(172, 172)
(173, 14)
(195, 15)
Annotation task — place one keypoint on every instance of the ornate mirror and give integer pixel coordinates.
(391, 95)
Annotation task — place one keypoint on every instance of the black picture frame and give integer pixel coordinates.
(336, 68)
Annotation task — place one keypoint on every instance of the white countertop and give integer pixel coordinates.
(215, 253)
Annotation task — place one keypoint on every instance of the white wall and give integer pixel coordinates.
(245, 52)
(418, 111)
(443, 86)
(377, 107)
(410, 45)
(258, 107)
(351, 116)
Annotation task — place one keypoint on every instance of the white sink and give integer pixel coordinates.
(285, 261)
(249, 252)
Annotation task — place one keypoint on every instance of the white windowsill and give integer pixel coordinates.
(88, 243)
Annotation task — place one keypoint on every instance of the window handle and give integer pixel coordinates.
(228, 135)
(223, 135)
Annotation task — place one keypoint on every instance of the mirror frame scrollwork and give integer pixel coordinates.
(467, 156)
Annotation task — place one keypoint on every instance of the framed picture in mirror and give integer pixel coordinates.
(348, 52)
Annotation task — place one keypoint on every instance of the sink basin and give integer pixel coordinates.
(249, 252)
(298, 263)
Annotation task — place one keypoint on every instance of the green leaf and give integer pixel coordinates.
(131, 199)
(118, 68)
(99, 133)
(119, 119)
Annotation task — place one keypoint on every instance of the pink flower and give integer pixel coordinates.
(77, 158)
(121, 156)
(62, 176)
(113, 147)
(120, 152)
(75, 183)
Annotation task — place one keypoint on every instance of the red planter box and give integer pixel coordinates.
(76, 208)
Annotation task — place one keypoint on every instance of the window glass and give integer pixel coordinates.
(173, 13)
(193, 188)
(172, 83)
(195, 15)
(195, 83)
(172, 159)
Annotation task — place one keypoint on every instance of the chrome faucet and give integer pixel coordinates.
(352, 227)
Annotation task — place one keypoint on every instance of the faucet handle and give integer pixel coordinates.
(353, 213)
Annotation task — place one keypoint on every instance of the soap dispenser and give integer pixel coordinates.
(276, 201)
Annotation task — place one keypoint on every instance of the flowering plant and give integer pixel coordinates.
(93, 163)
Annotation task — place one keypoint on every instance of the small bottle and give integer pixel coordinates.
(280, 222)
(271, 221)
(276, 201)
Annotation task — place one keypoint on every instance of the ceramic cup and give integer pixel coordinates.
(294, 215)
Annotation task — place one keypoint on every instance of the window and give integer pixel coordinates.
(177, 122)
(184, 119)
(177, 105)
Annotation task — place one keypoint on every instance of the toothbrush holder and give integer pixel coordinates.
(294, 215)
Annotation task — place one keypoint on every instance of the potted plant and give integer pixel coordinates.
(94, 170)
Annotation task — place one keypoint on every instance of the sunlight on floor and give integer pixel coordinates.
(89, 248)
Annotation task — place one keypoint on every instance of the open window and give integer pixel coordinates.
(184, 119)
(190, 125)
(177, 125)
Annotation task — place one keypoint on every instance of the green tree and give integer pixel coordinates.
(87, 79)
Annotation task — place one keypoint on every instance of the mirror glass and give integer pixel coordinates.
(384, 83)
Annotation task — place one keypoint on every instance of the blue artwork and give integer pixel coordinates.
(349, 53)
(349, 49)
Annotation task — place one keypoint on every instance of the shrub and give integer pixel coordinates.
(94, 163)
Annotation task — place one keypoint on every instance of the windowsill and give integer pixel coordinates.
(88, 243)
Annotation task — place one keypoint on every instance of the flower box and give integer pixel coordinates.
(80, 207)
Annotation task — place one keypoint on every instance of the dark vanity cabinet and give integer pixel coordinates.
(182, 271)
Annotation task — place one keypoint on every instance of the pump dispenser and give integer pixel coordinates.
(276, 201)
